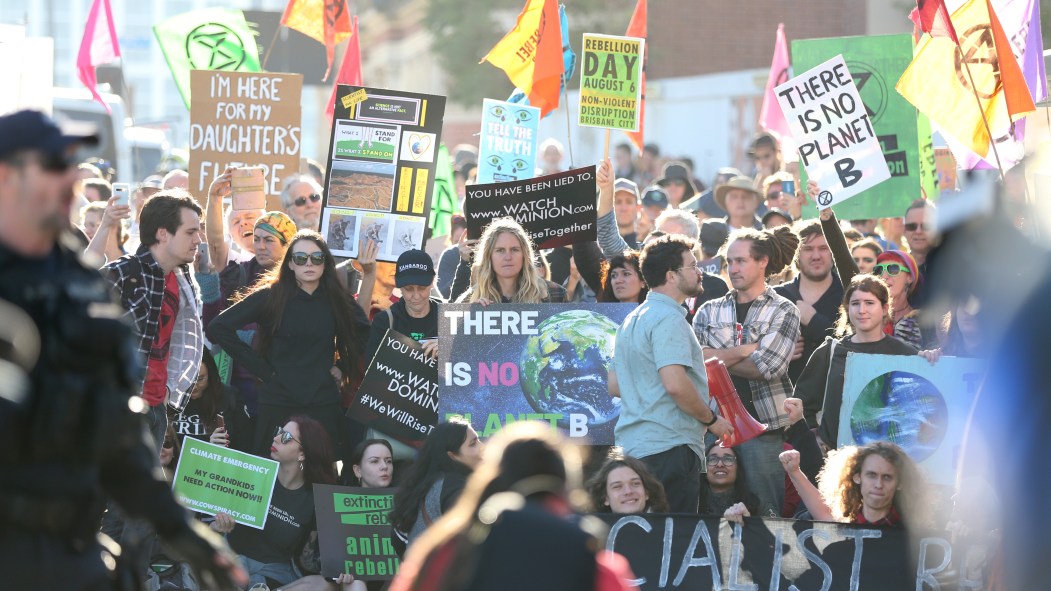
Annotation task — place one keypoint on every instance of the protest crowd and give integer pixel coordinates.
(203, 388)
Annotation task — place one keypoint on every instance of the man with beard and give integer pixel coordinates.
(301, 198)
(664, 396)
(753, 331)
(816, 291)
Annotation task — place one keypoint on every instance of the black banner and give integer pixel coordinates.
(399, 393)
(354, 532)
(681, 552)
(556, 210)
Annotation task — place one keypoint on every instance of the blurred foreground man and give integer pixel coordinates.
(73, 433)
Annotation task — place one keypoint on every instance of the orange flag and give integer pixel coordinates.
(637, 28)
(325, 21)
(937, 81)
(531, 54)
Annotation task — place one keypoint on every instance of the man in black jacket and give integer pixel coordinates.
(75, 432)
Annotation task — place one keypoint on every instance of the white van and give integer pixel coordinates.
(78, 105)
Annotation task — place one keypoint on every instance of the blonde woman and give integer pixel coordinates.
(504, 271)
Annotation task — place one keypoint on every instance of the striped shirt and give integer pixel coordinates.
(773, 322)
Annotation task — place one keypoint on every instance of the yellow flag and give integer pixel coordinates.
(531, 54)
(938, 84)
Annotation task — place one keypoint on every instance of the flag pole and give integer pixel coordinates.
(605, 152)
(569, 135)
(270, 48)
(985, 121)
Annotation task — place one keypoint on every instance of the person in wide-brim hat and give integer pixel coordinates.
(675, 175)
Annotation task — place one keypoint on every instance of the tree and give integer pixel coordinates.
(465, 30)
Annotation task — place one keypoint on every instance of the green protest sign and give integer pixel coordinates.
(610, 92)
(213, 479)
(354, 532)
(876, 63)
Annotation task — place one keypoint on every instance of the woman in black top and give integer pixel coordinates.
(311, 338)
(304, 455)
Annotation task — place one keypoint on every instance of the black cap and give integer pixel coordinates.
(714, 234)
(33, 130)
(414, 268)
(777, 211)
(655, 196)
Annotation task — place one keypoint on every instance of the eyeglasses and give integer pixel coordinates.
(315, 258)
(698, 268)
(286, 436)
(913, 226)
(724, 460)
(168, 444)
(891, 269)
(301, 201)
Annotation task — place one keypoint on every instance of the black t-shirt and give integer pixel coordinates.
(290, 521)
(415, 328)
(744, 389)
(192, 421)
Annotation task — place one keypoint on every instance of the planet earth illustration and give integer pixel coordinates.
(902, 408)
(564, 367)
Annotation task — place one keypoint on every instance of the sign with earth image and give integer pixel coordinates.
(905, 400)
(546, 362)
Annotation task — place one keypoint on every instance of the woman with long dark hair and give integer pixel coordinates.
(448, 456)
(304, 455)
(311, 338)
(215, 412)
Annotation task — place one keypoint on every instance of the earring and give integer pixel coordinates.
(300, 466)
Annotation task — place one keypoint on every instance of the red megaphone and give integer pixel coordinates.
(721, 387)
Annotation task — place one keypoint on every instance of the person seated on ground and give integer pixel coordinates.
(514, 528)
(169, 455)
(373, 465)
(501, 269)
(875, 484)
(867, 304)
(212, 402)
(450, 453)
(725, 491)
(304, 455)
(625, 485)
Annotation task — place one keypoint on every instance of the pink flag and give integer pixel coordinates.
(350, 69)
(99, 46)
(770, 117)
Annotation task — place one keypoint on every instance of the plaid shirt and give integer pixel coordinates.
(773, 322)
(139, 281)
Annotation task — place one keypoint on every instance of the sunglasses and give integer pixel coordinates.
(891, 269)
(315, 258)
(913, 226)
(168, 444)
(301, 201)
(49, 162)
(724, 460)
(285, 436)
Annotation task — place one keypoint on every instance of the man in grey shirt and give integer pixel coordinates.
(658, 373)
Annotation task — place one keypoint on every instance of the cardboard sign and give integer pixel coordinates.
(507, 148)
(610, 82)
(556, 210)
(837, 143)
(700, 553)
(214, 479)
(904, 399)
(245, 119)
(876, 62)
(380, 172)
(399, 393)
(354, 532)
(546, 362)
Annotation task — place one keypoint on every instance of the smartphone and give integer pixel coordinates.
(788, 187)
(203, 258)
(220, 422)
(123, 193)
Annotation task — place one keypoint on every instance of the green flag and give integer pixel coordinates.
(207, 39)
(875, 64)
(443, 201)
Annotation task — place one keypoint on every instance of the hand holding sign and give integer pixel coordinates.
(837, 143)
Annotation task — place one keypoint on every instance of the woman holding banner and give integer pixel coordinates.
(304, 455)
(867, 305)
(504, 272)
(311, 338)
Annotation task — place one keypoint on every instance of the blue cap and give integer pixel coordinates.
(33, 130)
